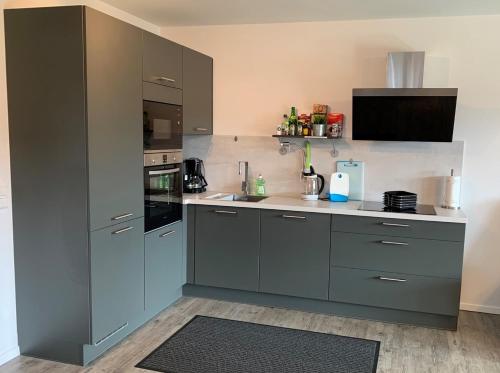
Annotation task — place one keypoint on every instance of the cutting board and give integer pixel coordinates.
(356, 171)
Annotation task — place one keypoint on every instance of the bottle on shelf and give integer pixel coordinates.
(284, 125)
(292, 122)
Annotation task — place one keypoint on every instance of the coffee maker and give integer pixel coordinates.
(194, 176)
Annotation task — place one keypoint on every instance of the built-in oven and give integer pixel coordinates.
(162, 189)
(162, 126)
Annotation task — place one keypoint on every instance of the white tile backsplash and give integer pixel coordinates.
(415, 167)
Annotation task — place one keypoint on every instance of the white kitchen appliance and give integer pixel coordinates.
(339, 187)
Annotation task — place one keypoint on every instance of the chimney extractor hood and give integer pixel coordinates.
(404, 111)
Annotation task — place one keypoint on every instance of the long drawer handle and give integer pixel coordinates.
(167, 234)
(164, 78)
(122, 230)
(391, 279)
(201, 129)
(122, 216)
(111, 334)
(294, 217)
(395, 225)
(394, 243)
(225, 212)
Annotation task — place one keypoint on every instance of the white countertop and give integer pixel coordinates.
(322, 207)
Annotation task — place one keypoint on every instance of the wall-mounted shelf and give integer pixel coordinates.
(306, 137)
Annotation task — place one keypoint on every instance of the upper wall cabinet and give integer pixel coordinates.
(162, 61)
(197, 93)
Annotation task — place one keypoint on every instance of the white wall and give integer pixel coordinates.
(8, 329)
(261, 70)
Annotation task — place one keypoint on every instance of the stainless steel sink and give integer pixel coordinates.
(236, 197)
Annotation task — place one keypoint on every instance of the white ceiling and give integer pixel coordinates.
(223, 12)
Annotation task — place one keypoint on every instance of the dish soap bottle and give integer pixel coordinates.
(260, 188)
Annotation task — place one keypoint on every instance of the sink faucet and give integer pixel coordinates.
(244, 184)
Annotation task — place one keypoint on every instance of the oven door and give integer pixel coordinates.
(162, 195)
(162, 126)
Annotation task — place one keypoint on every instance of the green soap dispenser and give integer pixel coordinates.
(260, 186)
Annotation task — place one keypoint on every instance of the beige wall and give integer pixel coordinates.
(8, 330)
(260, 70)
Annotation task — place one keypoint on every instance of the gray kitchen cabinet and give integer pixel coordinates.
(397, 254)
(294, 256)
(227, 242)
(162, 61)
(117, 277)
(197, 93)
(114, 120)
(78, 169)
(163, 267)
(396, 291)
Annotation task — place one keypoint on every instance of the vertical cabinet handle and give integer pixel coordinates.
(167, 234)
(122, 216)
(393, 279)
(395, 225)
(123, 230)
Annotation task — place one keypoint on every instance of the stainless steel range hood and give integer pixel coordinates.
(405, 69)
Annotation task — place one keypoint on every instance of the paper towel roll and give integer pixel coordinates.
(452, 192)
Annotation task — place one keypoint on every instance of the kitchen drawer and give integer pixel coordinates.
(395, 291)
(399, 227)
(397, 254)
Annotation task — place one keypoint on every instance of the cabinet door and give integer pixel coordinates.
(197, 93)
(114, 115)
(163, 266)
(117, 277)
(162, 61)
(227, 247)
(295, 250)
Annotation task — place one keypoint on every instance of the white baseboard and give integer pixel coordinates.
(9, 354)
(480, 308)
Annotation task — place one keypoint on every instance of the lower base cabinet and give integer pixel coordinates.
(295, 253)
(117, 277)
(163, 267)
(227, 242)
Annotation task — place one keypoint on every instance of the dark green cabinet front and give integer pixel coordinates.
(163, 267)
(117, 277)
(114, 120)
(227, 247)
(295, 251)
(197, 93)
(162, 61)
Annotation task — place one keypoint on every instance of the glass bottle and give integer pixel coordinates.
(292, 122)
(284, 125)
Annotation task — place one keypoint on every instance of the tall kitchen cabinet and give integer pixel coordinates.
(74, 80)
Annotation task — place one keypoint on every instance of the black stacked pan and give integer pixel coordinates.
(400, 200)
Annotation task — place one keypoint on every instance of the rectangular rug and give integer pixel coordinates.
(209, 344)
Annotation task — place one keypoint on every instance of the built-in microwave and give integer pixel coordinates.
(162, 126)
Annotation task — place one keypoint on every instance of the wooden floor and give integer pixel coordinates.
(475, 347)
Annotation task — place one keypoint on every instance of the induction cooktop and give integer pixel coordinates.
(377, 206)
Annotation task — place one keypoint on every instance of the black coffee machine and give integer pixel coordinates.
(194, 176)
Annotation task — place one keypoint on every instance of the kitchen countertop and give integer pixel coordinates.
(322, 207)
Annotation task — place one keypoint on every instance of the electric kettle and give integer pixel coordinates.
(313, 185)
